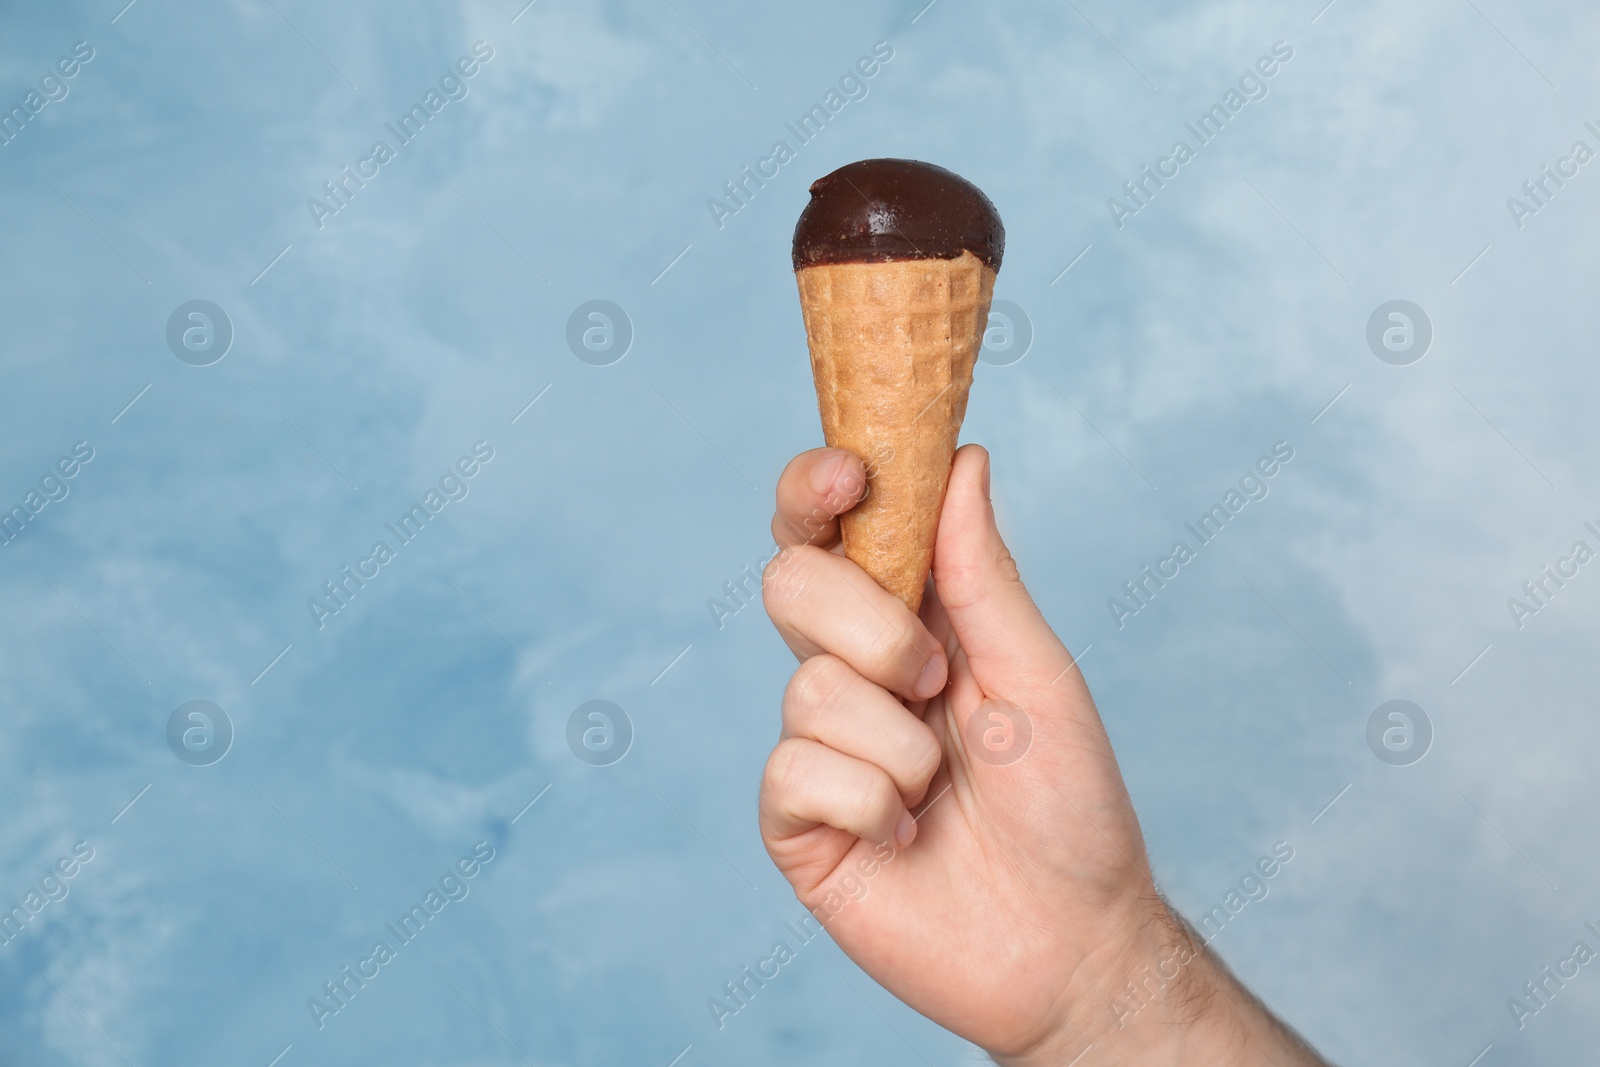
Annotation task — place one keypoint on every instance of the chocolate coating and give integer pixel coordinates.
(876, 210)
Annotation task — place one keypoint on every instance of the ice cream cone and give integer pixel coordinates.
(893, 345)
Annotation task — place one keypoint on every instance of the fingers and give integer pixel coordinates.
(807, 783)
(822, 602)
(1006, 640)
(813, 489)
(830, 703)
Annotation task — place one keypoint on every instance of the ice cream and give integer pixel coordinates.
(896, 262)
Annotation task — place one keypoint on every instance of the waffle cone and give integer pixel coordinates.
(892, 350)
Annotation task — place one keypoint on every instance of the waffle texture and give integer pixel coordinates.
(893, 346)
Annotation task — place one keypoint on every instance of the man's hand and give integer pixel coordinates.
(1025, 908)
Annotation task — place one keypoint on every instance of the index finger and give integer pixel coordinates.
(814, 489)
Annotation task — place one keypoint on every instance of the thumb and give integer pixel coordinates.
(1010, 647)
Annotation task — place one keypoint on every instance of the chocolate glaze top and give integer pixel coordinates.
(886, 209)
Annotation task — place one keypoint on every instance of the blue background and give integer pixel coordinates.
(369, 354)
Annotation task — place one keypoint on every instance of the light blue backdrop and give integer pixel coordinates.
(371, 352)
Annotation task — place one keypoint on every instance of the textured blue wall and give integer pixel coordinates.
(371, 338)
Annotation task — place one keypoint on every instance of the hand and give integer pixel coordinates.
(1026, 903)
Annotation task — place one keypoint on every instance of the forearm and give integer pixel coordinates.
(1166, 999)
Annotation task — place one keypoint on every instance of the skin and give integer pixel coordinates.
(1016, 901)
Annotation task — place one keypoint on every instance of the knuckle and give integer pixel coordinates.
(892, 649)
(962, 584)
(783, 773)
(874, 799)
(813, 687)
(967, 582)
(788, 577)
(1006, 564)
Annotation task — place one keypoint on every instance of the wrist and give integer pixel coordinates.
(1136, 1001)
(1159, 996)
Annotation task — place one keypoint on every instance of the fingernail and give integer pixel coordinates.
(931, 682)
(905, 830)
(986, 478)
(827, 472)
